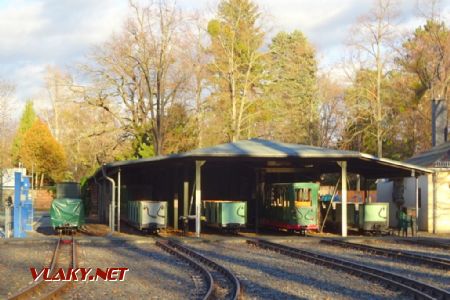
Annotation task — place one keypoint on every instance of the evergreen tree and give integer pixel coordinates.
(236, 69)
(292, 88)
(26, 121)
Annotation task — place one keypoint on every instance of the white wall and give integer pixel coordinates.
(429, 212)
(385, 191)
(409, 195)
(443, 202)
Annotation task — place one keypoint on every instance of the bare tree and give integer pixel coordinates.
(331, 110)
(197, 60)
(6, 125)
(370, 42)
(137, 75)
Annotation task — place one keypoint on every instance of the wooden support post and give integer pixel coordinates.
(175, 212)
(358, 182)
(198, 195)
(257, 199)
(186, 199)
(416, 194)
(344, 197)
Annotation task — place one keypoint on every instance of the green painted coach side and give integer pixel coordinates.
(226, 213)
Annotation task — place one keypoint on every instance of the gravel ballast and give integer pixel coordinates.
(15, 262)
(436, 277)
(268, 275)
(418, 249)
(153, 274)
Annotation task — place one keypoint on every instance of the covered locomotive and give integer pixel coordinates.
(67, 214)
(67, 211)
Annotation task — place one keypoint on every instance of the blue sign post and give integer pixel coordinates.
(23, 206)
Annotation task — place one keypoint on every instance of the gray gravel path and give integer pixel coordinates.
(15, 262)
(436, 277)
(153, 274)
(268, 275)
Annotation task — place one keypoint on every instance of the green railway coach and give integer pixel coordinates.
(225, 214)
(291, 206)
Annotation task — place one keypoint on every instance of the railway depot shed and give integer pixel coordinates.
(232, 171)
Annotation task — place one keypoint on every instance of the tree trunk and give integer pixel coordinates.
(42, 181)
(379, 104)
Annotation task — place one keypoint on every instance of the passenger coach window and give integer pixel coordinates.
(303, 197)
(279, 197)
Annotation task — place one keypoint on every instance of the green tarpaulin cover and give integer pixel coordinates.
(67, 212)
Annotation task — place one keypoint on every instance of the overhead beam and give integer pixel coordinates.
(286, 170)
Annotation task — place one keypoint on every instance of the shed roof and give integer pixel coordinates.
(436, 157)
(265, 149)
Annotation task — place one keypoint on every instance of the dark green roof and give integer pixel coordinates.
(436, 157)
(259, 148)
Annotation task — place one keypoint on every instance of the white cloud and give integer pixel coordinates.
(18, 23)
(37, 33)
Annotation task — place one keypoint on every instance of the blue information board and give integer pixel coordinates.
(23, 206)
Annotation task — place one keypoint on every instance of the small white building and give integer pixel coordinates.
(433, 191)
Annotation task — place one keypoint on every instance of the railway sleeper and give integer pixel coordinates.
(422, 259)
(205, 273)
(418, 289)
(215, 266)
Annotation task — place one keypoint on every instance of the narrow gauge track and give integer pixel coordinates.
(415, 288)
(423, 243)
(434, 262)
(223, 283)
(206, 290)
(64, 255)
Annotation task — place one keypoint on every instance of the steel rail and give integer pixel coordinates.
(27, 292)
(31, 291)
(73, 264)
(418, 289)
(164, 244)
(434, 262)
(219, 268)
(424, 243)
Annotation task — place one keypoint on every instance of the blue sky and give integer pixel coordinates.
(37, 33)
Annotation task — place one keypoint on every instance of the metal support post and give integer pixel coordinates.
(343, 165)
(198, 195)
(113, 199)
(8, 215)
(110, 216)
(118, 199)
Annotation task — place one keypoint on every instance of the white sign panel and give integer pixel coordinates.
(8, 177)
